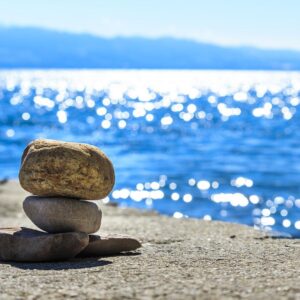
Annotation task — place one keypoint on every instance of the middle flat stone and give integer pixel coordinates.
(63, 214)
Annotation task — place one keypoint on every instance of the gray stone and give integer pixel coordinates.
(28, 245)
(109, 245)
(55, 168)
(63, 214)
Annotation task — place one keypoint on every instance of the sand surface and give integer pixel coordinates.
(180, 259)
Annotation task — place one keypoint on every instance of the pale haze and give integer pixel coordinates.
(267, 24)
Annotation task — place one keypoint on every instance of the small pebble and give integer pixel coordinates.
(109, 245)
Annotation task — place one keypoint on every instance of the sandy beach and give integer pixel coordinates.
(180, 259)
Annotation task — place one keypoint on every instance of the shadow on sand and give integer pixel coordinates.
(74, 264)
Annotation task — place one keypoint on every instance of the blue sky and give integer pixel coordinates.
(261, 23)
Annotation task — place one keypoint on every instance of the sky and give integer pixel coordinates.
(259, 23)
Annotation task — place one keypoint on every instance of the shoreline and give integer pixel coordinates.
(180, 259)
(270, 233)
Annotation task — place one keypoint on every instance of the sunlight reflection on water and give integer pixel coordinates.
(205, 144)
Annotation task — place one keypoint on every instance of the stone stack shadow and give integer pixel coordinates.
(63, 178)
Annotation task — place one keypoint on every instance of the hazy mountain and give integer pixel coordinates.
(40, 48)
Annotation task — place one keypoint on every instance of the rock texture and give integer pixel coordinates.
(63, 214)
(54, 168)
(109, 245)
(28, 245)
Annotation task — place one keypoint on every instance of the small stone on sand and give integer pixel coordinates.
(28, 245)
(109, 245)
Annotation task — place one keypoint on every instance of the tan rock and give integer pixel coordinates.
(28, 245)
(63, 214)
(54, 168)
(109, 245)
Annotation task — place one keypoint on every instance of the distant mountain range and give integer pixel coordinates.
(40, 48)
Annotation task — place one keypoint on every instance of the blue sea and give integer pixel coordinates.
(214, 145)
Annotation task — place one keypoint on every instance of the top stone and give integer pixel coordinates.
(54, 168)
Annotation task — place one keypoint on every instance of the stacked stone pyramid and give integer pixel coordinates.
(63, 177)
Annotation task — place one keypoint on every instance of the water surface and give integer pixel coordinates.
(205, 144)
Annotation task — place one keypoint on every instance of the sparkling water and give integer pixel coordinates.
(215, 145)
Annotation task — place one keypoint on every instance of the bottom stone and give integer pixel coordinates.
(109, 245)
(28, 245)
